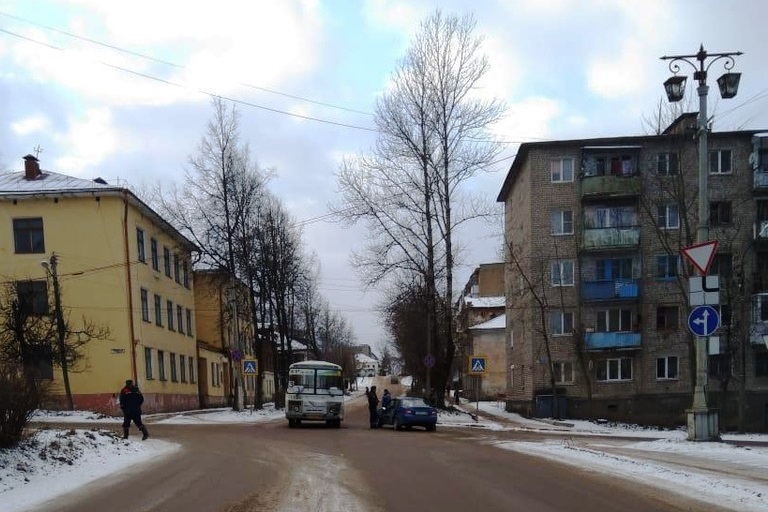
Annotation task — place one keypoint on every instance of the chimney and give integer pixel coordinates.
(31, 167)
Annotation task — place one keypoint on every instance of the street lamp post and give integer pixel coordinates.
(51, 268)
(703, 422)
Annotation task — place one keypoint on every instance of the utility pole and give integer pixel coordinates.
(52, 269)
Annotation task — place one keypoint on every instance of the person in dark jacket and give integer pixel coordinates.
(130, 403)
(386, 399)
(373, 406)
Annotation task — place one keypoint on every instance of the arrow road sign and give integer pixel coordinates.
(703, 320)
(701, 255)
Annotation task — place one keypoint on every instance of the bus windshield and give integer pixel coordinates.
(314, 381)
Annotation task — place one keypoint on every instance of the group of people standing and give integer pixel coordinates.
(373, 404)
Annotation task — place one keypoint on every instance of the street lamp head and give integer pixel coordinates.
(675, 87)
(729, 84)
(45, 265)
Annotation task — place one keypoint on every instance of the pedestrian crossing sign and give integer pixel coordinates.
(478, 365)
(250, 366)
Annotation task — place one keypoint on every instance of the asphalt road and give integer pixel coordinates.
(269, 467)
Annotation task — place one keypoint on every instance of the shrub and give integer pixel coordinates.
(19, 398)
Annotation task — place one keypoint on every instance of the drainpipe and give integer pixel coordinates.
(129, 283)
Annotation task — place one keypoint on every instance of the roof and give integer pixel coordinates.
(635, 141)
(15, 185)
(499, 322)
(362, 358)
(485, 302)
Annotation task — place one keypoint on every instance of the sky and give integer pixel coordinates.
(122, 91)
(660, 458)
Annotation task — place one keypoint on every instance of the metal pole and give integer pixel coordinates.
(702, 235)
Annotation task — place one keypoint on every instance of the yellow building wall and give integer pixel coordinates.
(490, 343)
(89, 237)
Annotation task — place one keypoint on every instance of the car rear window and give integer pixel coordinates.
(414, 402)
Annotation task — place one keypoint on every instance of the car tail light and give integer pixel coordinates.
(433, 412)
(409, 411)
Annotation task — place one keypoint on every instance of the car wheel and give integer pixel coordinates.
(431, 428)
(291, 423)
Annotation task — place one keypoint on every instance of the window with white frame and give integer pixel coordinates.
(148, 373)
(720, 161)
(666, 367)
(183, 367)
(614, 320)
(158, 310)
(667, 266)
(668, 216)
(174, 377)
(614, 369)
(563, 372)
(561, 273)
(562, 222)
(560, 323)
(667, 317)
(561, 170)
(667, 164)
(140, 245)
(191, 369)
(144, 305)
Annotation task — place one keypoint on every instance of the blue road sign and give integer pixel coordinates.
(477, 365)
(250, 366)
(429, 361)
(703, 320)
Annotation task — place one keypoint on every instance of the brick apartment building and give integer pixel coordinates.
(597, 293)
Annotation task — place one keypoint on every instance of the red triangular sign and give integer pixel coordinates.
(701, 255)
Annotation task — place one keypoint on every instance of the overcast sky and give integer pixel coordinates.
(73, 83)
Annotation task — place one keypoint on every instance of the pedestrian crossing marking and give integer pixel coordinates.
(249, 366)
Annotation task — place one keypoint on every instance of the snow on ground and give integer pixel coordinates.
(35, 472)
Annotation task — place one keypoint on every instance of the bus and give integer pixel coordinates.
(315, 393)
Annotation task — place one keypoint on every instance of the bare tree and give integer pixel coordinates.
(432, 138)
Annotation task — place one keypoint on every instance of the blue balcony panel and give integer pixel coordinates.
(610, 290)
(612, 340)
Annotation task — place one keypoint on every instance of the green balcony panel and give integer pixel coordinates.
(610, 186)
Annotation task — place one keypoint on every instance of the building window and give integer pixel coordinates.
(614, 369)
(610, 269)
(180, 319)
(183, 367)
(614, 320)
(189, 323)
(155, 256)
(720, 161)
(561, 170)
(667, 266)
(761, 364)
(169, 314)
(719, 366)
(561, 273)
(667, 164)
(39, 359)
(174, 377)
(158, 310)
(562, 222)
(191, 369)
(176, 268)
(167, 261)
(668, 216)
(28, 236)
(722, 265)
(719, 212)
(563, 372)
(560, 323)
(161, 364)
(667, 317)
(140, 245)
(213, 374)
(144, 305)
(32, 297)
(185, 273)
(148, 363)
(666, 367)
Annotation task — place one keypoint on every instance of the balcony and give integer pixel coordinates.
(617, 289)
(610, 238)
(760, 178)
(610, 186)
(612, 340)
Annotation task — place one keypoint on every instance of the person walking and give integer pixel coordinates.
(130, 403)
(373, 406)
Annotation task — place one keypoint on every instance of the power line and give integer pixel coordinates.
(201, 91)
(175, 65)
